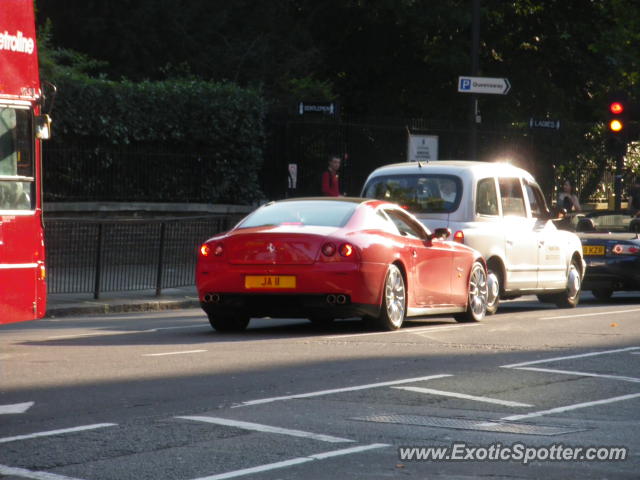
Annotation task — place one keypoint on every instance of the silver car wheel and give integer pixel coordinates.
(573, 282)
(478, 292)
(493, 288)
(394, 293)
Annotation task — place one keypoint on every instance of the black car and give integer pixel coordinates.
(611, 248)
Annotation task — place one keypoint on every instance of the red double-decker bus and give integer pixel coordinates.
(22, 127)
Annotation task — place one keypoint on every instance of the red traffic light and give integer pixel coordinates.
(616, 108)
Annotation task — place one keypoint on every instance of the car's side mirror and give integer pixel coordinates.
(440, 234)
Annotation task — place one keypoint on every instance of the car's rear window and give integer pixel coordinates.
(419, 193)
(318, 213)
(613, 222)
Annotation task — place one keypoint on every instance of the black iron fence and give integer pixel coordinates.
(95, 256)
(80, 170)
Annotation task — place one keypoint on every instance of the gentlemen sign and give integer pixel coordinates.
(325, 108)
(496, 86)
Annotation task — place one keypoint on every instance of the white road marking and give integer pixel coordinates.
(172, 353)
(617, 312)
(56, 432)
(405, 330)
(125, 332)
(294, 461)
(568, 408)
(582, 374)
(23, 473)
(199, 325)
(80, 335)
(15, 408)
(570, 357)
(268, 429)
(348, 451)
(339, 390)
(497, 401)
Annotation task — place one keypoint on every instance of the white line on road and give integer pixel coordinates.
(199, 325)
(172, 353)
(568, 408)
(570, 357)
(582, 374)
(339, 390)
(15, 408)
(293, 461)
(497, 401)
(23, 473)
(122, 332)
(80, 335)
(267, 429)
(56, 432)
(405, 330)
(617, 312)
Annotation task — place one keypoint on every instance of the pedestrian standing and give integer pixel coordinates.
(567, 199)
(330, 178)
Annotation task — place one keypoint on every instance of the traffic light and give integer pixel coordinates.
(618, 110)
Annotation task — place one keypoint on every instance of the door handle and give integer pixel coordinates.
(414, 254)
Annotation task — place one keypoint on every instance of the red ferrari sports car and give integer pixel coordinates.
(328, 258)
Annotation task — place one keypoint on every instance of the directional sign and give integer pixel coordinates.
(496, 86)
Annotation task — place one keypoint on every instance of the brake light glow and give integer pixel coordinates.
(328, 249)
(205, 250)
(346, 249)
(621, 249)
(458, 236)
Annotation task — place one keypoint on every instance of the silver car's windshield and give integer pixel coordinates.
(429, 193)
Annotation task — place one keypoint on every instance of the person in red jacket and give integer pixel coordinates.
(330, 181)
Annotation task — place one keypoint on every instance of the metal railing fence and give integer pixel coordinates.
(95, 256)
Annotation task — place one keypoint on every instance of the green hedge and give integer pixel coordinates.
(221, 124)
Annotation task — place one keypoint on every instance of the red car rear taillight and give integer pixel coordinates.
(328, 249)
(206, 250)
(347, 250)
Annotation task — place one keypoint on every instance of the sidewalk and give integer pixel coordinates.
(69, 304)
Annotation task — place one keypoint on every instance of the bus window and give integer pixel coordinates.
(16, 160)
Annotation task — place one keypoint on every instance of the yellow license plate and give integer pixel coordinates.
(593, 249)
(270, 281)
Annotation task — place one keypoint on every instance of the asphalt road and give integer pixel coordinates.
(163, 396)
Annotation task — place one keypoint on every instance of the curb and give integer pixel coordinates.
(100, 308)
